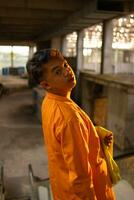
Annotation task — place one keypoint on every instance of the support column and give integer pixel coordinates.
(31, 52)
(79, 63)
(56, 43)
(107, 39)
(79, 51)
(12, 57)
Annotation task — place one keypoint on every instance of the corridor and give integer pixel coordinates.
(21, 142)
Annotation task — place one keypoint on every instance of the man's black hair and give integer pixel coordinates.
(34, 65)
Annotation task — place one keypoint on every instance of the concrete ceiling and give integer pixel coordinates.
(40, 20)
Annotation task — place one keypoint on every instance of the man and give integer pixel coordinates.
(77, 167)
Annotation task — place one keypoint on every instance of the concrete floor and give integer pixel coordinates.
(21, 142)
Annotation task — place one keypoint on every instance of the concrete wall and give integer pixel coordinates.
(56, 43)
(121, 116)
(130, 119)
(127, 68)
(87, 97)
(117, 105)
(111, 106)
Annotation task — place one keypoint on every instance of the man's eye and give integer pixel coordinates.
(65, 65)
(58, 72)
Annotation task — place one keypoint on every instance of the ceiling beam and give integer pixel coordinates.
(42, 4)
(91, 9)
(17, 43)
(15, 37)
(43, 19)
(33, 13)
(27, 22)
(75, 21)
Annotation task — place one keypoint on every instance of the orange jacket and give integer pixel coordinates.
(75, 160)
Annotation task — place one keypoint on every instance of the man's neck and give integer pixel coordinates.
(63, 94)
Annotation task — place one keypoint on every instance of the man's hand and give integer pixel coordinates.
(108, 140)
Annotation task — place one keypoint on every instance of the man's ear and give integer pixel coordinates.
(45, 85)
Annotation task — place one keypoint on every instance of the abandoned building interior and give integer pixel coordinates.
(97, 39)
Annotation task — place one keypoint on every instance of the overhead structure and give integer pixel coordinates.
(39, 20)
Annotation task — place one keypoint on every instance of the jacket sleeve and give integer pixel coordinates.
(75, 150)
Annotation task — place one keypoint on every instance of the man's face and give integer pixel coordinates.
(59, 77)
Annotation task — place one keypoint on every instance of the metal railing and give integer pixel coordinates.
(40, 188)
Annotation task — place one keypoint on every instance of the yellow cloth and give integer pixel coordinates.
(75, 159)
(108, 151)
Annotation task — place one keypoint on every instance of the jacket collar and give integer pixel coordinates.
(57, 97)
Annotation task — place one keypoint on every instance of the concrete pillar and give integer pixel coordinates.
(79, 64)
(107, 39)
(63, 45)
(12, 57)
(56, 43)
(31, 51)
(79, 50)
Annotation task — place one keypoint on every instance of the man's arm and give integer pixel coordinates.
(76, 155)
